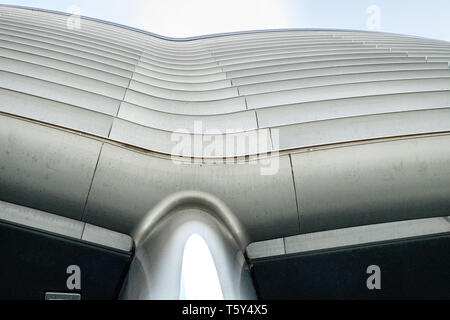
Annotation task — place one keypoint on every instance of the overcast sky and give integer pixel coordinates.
(182, 18)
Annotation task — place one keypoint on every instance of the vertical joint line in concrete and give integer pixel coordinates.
(271, 139)
(82, 232)
(92, 182)
(125, 93)
(112, 122)
(295, 192)
(131, 78)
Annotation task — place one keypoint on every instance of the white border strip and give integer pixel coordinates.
(47, 222)
(348, 237)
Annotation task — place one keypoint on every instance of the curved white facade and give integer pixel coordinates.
(356, 125)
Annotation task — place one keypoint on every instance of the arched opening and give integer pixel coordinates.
(199, 277)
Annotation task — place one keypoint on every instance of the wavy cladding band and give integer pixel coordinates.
(90, 116)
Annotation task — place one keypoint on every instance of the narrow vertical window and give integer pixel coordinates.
(199, 277)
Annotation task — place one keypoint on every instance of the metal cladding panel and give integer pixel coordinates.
(363, 128)
(59, 93)
(230, 122)
(41, 221)
(305, 57)
(341, 79)
(339, 239)
(373, 183)
(181, 78)
(186, 86)
(348, 107)
(56, 113)
(341, 91)
(61, 77)
(186, 107)
(184, 95)
(195, 145)
(128, 184)
(263, 79)
(66, 92)
(321, 64)
(62, 65)
(44, 168)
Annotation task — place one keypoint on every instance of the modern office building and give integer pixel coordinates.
(289, 163)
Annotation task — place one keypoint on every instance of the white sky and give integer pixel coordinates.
(183, 18)
(196, 17)
(199, 278)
